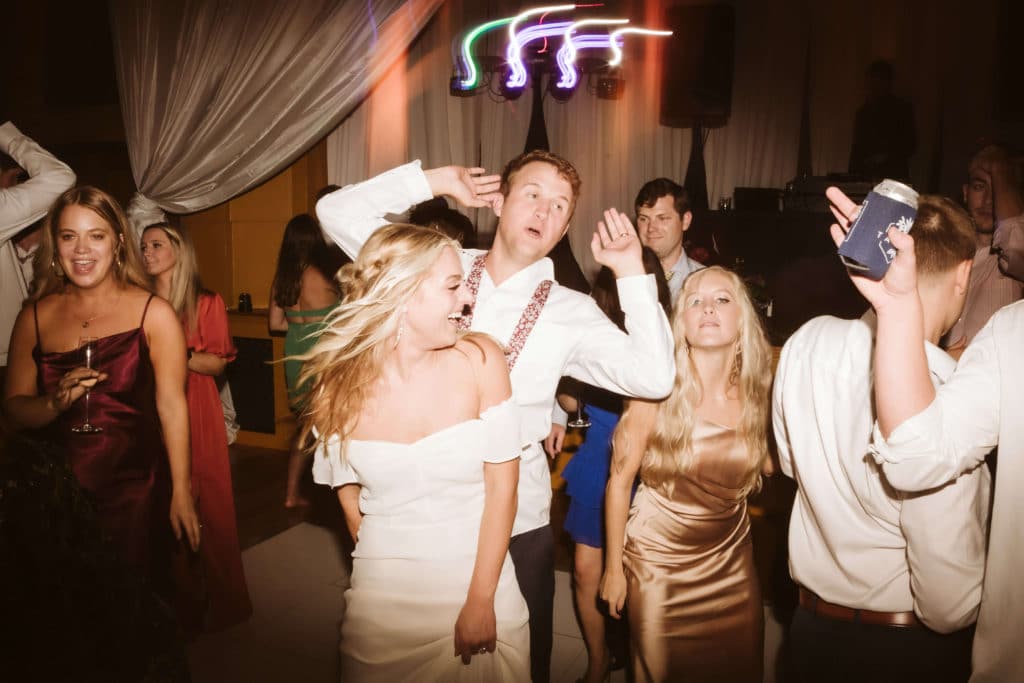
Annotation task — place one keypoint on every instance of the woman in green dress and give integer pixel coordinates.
(302, 295)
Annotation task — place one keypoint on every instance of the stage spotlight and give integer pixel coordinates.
(510, 92)
(456, 88)
(562, 94)
(610, 85)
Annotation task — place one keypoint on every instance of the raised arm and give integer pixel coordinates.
(167, 351)
(350, 215)
(903, 386)
(628, 445)
(955, 432)
(638, 362)
(476, 627)
(25, 203)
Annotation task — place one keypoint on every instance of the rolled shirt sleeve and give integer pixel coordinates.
(640, 362)
(29, 201)
(955, 432)
(350, 215)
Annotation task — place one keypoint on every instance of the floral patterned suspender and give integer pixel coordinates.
(526, 321)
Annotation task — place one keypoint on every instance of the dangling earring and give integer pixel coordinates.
(57, 270)
(118, 262)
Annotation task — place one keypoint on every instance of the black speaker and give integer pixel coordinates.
(696, 83)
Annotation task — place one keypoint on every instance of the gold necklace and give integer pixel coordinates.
(85, 323)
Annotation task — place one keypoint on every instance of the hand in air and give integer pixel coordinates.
(468, 186)
(476, 630)
(615, 244)
(900, 280)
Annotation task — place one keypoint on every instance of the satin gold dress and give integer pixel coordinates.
(694, 602)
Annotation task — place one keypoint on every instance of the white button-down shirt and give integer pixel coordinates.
(20, 206)
(853, 539)
(571, 337)
(980, 407)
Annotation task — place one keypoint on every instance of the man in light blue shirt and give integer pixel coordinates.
(662, 216)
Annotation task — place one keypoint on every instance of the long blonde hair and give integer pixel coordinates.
(127, 267)
(670, 444)
(349, 355)
(185, 283)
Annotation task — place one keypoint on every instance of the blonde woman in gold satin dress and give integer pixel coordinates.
(680, 555)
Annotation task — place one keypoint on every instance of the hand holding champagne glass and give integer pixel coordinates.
(581, 420)
(87, 346)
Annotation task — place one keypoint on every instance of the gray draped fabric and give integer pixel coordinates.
(220, 95)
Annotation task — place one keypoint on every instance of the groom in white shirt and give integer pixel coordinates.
(550, 330)
(882, 574)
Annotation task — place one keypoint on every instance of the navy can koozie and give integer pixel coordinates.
(867, 249)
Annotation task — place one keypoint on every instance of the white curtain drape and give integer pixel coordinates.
(219, 95)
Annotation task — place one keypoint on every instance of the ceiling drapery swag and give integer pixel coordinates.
(218, 96)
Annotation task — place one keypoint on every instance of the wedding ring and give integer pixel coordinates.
(482, 651)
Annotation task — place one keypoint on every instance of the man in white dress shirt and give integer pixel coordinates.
(662, 216)
(534, 199)
(30, 180)
(882, 574)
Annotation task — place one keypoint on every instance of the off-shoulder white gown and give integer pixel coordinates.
(422, 504)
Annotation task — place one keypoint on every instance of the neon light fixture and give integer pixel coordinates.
(513, 53)
(567, 53)
(467, 75)
(471, 74)
(583, 41)
(617, 50)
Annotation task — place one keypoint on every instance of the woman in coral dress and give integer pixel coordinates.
(212, 591)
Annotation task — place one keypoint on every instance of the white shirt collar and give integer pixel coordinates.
(529, 277)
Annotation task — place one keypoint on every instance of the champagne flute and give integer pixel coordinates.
(87, 346)
(581, 421)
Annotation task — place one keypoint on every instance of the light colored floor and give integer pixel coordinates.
(296, 580)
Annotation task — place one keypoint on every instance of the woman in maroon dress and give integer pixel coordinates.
(216, 596)
(89, 285)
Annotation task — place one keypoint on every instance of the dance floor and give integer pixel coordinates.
(297, 567)
(296, 580)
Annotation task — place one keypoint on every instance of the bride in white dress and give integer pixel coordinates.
(421, 440)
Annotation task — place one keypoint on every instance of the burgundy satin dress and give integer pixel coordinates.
(694, 601)
(125, 466)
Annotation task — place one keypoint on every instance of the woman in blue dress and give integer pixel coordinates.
(586, 475)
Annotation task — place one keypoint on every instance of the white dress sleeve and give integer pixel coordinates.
(328, 466)
(503, 432)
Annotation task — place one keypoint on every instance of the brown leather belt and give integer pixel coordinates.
(815, 605)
